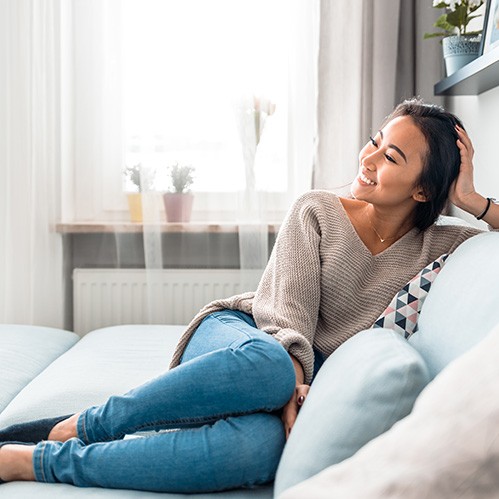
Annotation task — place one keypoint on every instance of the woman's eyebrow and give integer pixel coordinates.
(393, 146)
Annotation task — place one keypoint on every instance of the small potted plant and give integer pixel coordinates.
(178, 201)
(460, 46)
(140, 181)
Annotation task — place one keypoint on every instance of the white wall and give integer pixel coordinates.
(480, 115)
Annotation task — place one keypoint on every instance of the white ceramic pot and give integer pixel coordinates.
(459, 51)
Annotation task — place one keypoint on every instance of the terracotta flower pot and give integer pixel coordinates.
(178, 206)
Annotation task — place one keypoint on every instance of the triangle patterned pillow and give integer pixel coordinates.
(403, 312)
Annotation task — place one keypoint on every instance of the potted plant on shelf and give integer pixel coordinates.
(460, 46)
(178, 201)
(140, 180)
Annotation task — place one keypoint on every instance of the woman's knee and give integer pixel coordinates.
(273, 364)
(254, 443)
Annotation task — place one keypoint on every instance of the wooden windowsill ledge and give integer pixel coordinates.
(163, 227)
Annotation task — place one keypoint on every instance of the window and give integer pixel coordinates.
(190, 68)
(160, 82)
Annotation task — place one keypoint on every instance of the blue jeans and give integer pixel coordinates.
(221, 405)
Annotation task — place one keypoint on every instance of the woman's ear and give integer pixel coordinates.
(419, 196)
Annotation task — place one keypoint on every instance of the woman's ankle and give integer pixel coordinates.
(16, 462)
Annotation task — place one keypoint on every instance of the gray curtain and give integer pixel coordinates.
(372, 55)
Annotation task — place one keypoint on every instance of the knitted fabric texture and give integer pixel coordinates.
(322, 284)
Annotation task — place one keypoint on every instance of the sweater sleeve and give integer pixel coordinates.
(287, 300)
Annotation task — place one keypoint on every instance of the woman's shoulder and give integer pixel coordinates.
(324, 200)
(453, 226)
(317, 196)
(318, 210)
(319, 205)
(448, 233)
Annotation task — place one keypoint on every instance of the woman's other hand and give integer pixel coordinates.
(292, 408)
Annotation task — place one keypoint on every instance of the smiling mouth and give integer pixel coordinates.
(365, 180)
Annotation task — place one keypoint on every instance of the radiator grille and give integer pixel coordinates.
(106, 297)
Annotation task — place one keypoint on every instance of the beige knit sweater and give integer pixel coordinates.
(322, 285)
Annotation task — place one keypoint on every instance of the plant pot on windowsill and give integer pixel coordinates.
(141, 180)
(144, 206)
(178, 206)
(135, 206)
(459, 50)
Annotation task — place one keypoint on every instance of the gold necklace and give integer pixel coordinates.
(382, 240)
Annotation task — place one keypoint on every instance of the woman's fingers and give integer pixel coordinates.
(289, 414)
(465, 140)
(463, 187)
(465, 147)
(301, 393)
(291, 409)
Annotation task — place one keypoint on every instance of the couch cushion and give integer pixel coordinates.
(463, 304)
(104, 362)
(369, 383)
(25, 351)
(447, 447)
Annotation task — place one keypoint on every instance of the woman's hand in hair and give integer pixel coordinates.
(462, 192)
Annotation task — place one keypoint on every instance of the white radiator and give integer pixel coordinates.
(106, 297)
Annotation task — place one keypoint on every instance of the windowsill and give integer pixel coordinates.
(163, 227)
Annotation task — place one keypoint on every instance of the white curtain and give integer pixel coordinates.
(31, 158)
(372, 55)
(255, 210)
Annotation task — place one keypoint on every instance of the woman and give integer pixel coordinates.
(243, 367)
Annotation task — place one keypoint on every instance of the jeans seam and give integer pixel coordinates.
(40, 464)
(202, 421)
(83, 428)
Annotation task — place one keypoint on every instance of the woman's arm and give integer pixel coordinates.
(463, 193)
(287, 300)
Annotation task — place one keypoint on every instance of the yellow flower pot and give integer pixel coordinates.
(135, 206)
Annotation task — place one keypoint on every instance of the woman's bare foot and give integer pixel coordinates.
(65, 429)
(16, 462)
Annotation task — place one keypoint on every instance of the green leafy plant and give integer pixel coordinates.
(455, 21)
(181, 177)
(139, 177)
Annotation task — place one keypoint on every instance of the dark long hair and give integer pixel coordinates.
(442, 160)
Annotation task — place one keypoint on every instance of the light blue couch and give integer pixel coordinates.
(47, 372)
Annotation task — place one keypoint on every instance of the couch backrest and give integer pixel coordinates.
(463, 304)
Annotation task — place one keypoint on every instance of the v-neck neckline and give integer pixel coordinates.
(362, 243)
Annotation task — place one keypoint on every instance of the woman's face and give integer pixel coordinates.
(391, 164)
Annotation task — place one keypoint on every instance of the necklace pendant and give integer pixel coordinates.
(382, 240)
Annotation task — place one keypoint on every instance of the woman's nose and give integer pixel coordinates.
(369, 161)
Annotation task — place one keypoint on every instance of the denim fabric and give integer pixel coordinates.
(219, 404)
